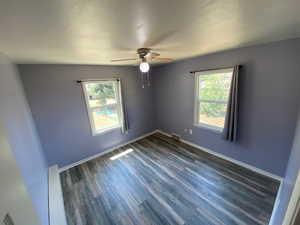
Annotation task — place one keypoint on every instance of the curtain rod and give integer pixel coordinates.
(87, 80)
(219, 68)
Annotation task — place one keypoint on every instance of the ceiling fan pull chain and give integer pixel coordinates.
(142, 80)
(148, 79)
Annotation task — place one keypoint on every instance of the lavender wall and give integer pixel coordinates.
(269, 99)
(59, 110)
(290, 178)
(268, 105)
(23, 140)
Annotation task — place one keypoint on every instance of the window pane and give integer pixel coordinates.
(105, 117)
(100, 94)
(215, 86)
(212, 114)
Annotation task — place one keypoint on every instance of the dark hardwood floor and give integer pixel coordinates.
(164, 182)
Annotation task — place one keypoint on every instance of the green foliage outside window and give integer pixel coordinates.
(101, 92)
(214, 87)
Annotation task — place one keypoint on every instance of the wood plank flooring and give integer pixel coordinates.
(165, 182)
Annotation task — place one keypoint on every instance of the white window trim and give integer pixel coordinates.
(91, 109)
(197, 100)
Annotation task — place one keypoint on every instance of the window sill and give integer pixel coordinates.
(210, 128)
(107, 130)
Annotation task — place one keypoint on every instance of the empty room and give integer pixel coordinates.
(135, 112)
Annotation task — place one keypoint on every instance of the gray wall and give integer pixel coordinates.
(20, 147)
(269, 99)
(59, 109)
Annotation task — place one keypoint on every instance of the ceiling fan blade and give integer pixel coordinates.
(158, 59)
(119, 60)
(154, 54)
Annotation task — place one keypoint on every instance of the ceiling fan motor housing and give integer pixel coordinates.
(142, 52)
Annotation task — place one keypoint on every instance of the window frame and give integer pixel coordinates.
(90, 109)
(197, 99)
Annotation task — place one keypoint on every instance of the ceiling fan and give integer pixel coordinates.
(145, 55)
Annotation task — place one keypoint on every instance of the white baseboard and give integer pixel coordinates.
(56, 192)
(293, 205)
(255, 169)
(276, 205)
(57, 215)
(104, 152)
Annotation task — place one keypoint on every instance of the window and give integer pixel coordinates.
(103, 104)
(212, 92)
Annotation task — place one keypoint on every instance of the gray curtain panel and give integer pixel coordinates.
(125, 122)
(231, 119)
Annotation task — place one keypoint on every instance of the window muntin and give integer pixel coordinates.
(103, 105)
(212, 92)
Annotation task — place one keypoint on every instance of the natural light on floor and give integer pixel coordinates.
(121, 154)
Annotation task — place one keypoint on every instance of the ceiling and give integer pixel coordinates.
(96, 31)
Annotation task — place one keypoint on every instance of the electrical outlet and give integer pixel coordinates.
(185, 130)
(190, 131)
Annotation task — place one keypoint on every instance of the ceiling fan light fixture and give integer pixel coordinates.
(144, 67)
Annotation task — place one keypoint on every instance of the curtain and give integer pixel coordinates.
(125, 122)
(231, 119)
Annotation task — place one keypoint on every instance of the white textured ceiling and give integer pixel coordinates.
(96, 31)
